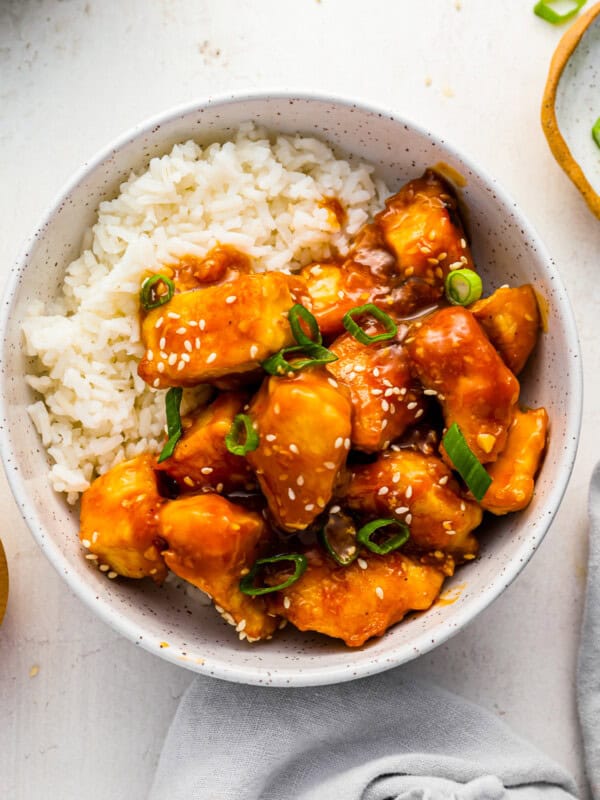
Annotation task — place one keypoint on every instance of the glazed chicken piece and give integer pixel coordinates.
(514, 472)
(452, 356)
(225, 329)
(119, 520)
(511, 319)
(221, 264)
(355, 604)
(422, 227)
(385, 398)
(201, 458)
(304, 427)
(212, 543)
(420, 491)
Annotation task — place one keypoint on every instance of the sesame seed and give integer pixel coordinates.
(333, 382)
(455, 265)
(309, 507)
(163, 355)
(401, 510)
(206, 470)
(376, 392)
(339, 442)
(160, 366)
(443, 256)
(181, 330)
(385, 405)
(180, 366)
(362, 563)
(202, 324)
(286, 602)
(431, 392)
(159, 322)
(211, 358)
(220, 487)
(463, 244)
(91, 557)
(329, 465)
(408, 493)
(469, 556)
(253, 351)
(192, 323)
(300, 480)
(150, 355)
(86, 543)
(443, 480)
(335, 509)
(359, 368)
(396, 477)
(403, 391)
(451, 532)
(173, 315)
(231, 299)
(291, 493)
(379, 592)
(384, 424)
(419, 413)
(197, 342)
(276, 408)
(294, 449)
(185, 357)
(383, 491)
(95, 535)
(347, 443)
(112, 575)
(104, 567)
(412, 405)
(340, 295)
(376, 372)
(220, 609)
(156, 383)
(351, 376)
(172, 359)
(408, 519)
(188, 345)
(188, 481)
(163, 343)
(463, 507)
(240, 626)
(388, 393)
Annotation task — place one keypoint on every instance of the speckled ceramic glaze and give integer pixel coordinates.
(172, 621)
(571, 105)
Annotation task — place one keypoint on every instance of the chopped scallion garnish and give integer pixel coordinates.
(299, 314)
(466, 462)
(463, 287)
(174, 428)
(339, 539)
(232, 439)
(545, 10)
(392, 543)
(156, 291)
(361, 335)
(596, 132)
(247, 583)
(278, 363)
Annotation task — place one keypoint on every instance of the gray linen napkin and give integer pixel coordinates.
(378, 738)
(588, 677)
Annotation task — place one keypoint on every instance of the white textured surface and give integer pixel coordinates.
(74, 75)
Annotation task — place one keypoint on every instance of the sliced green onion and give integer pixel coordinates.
(174, 428)
(232, 439)
(299, 314)
(545, 10)
(278, 364)
(151, 297)
(463, 287)
(392, 543)
(247, 583)
(354, 328)
(466, 462)
(339, 539)
(596, 132)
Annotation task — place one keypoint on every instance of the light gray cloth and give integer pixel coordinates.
(588, 677)
(377, 738)
(380, 738)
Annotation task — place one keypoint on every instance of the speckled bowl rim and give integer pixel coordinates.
(423, 642)
(560, 149)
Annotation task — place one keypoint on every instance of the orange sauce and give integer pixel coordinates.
(450, 174)
(544, 308)
(336, 211)
(451, 595)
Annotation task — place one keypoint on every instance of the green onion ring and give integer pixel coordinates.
(354, 328)
(277, 364)
(232, 440)
(596, 132)
(393, 543)
(463, 287)
(544, 10)
(341, 546)
(466, 462)
(298, 314)
(174, 428)
(149, 297)
(247, 582)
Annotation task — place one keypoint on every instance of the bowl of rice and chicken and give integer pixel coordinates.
(280, 391)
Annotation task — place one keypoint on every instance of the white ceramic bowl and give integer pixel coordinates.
(506, 250)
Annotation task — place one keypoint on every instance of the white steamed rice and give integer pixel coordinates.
(258, 194)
